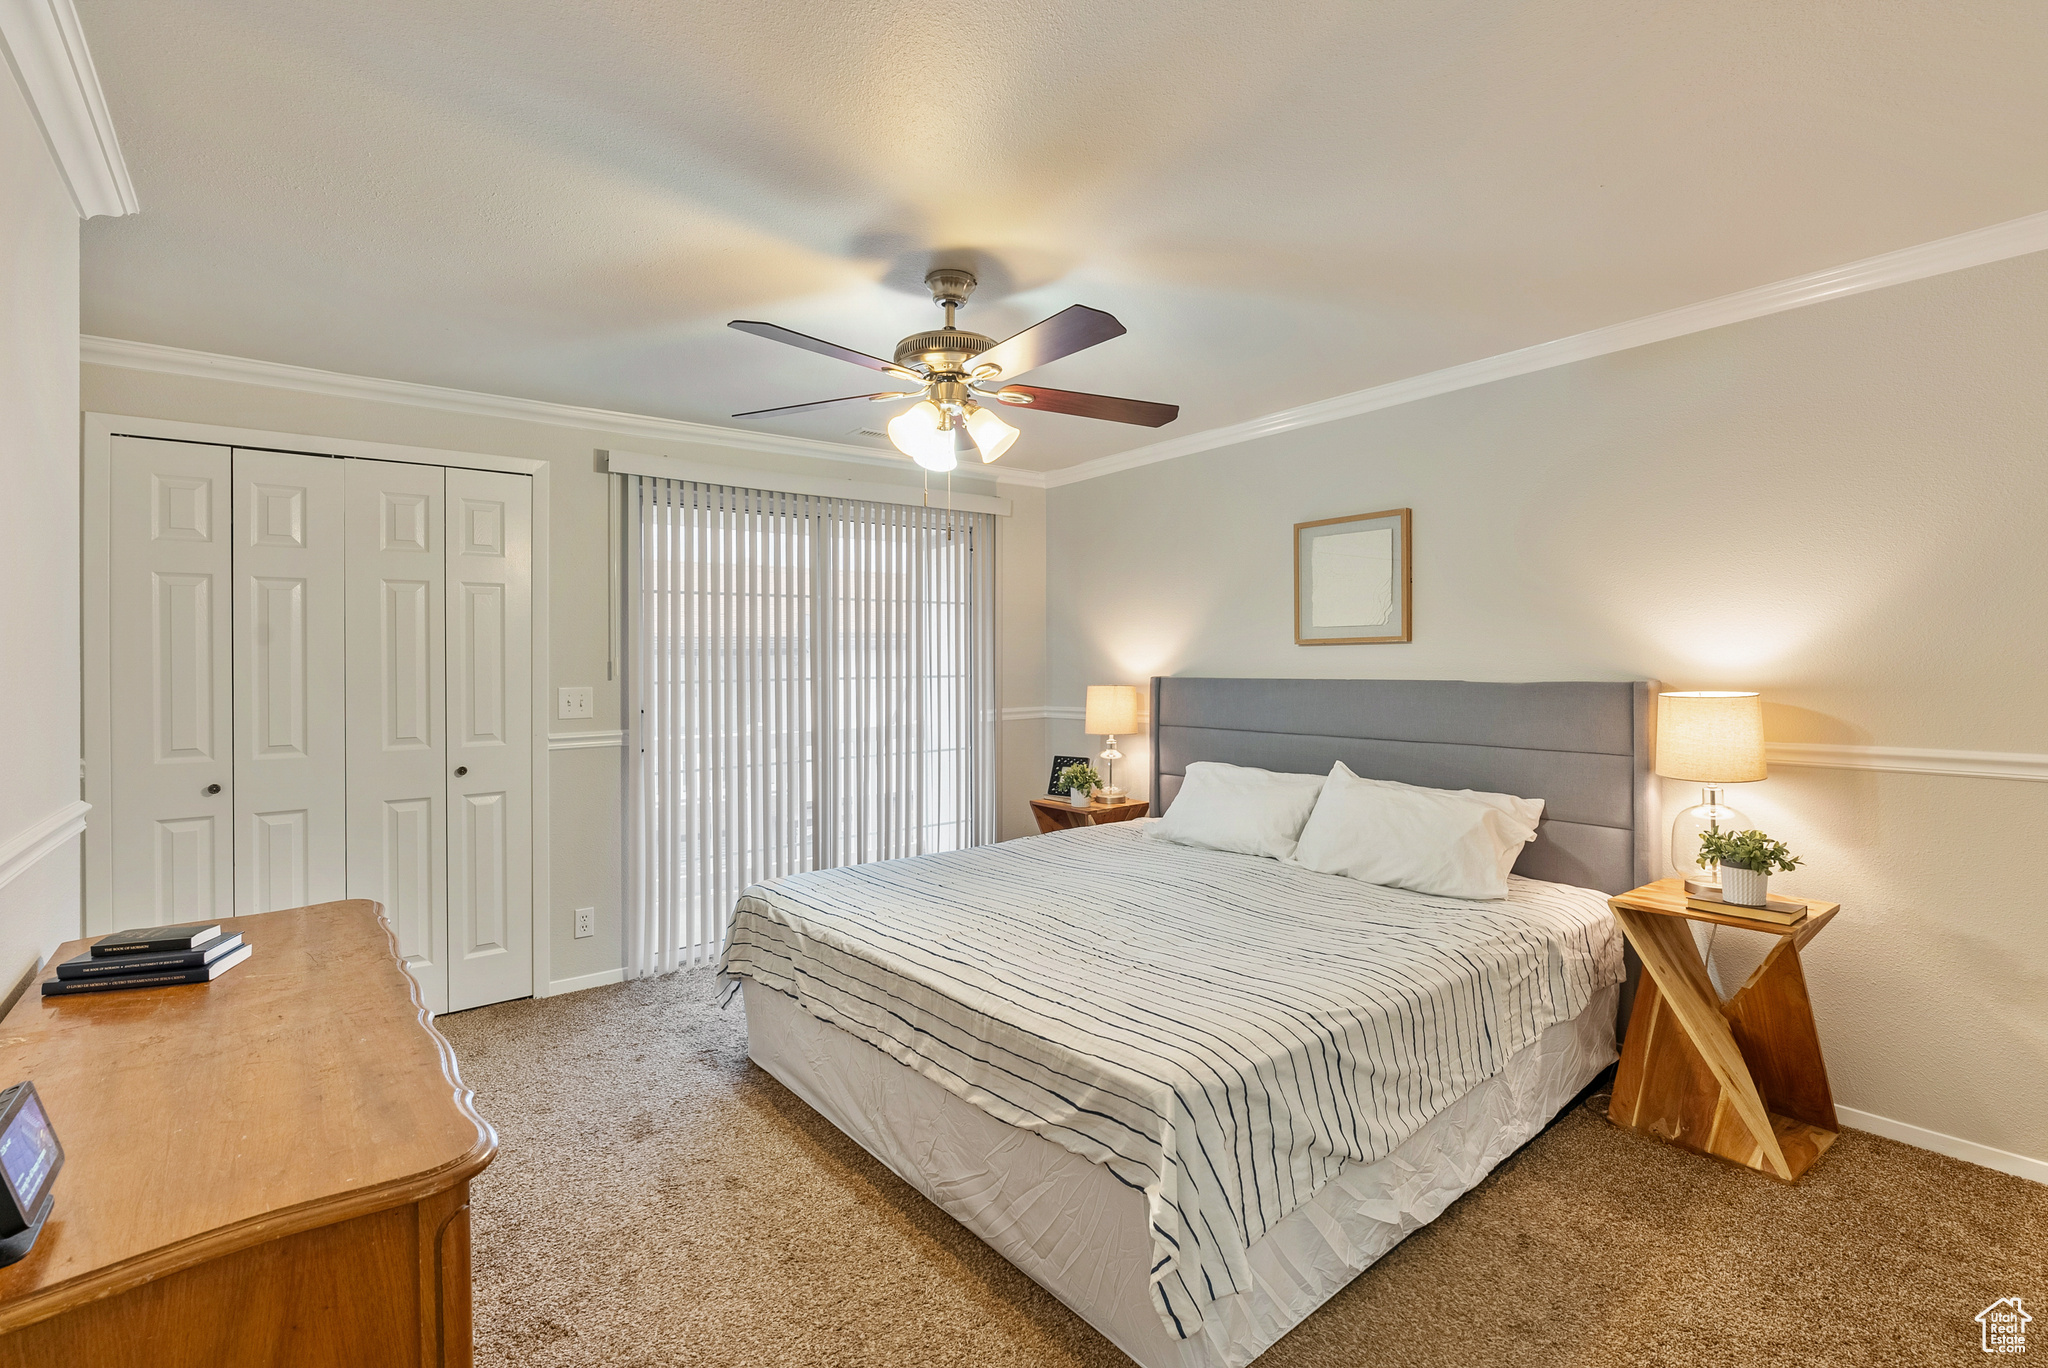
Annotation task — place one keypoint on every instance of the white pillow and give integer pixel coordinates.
(1429, 840)
(1232, 807)
(1526, 811)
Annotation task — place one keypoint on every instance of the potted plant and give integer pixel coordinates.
(1079, 782)
(1747, 860)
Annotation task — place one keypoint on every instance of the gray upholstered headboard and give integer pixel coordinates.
(1584, 748)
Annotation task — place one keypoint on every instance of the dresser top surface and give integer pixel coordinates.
(305, 1086)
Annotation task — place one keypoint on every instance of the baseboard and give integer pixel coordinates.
(603, 978)
(1969, 1151)
(23, 984)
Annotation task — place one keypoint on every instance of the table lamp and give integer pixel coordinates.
(1112, 711)
(1711, 738)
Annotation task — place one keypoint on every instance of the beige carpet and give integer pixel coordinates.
(659, 1200)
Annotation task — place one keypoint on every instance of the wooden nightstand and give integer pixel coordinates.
(1741, 1080)
(1057, 814)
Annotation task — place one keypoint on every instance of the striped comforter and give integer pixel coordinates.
(1221, 1031)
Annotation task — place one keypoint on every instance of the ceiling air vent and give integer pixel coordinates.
(867, 432)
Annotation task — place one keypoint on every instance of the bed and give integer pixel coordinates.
(1192, 1093)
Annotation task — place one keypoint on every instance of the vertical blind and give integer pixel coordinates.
(811, 683)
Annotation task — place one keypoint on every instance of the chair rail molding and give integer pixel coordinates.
(586, 740)
(46, 49)
(1040, 713)
(21, 852)
(1909, 760)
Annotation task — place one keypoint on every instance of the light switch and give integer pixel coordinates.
(576, 702)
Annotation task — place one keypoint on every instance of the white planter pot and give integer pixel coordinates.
(1745, 887)
(1079, 797)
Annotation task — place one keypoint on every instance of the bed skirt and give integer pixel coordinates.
(1083, 1236)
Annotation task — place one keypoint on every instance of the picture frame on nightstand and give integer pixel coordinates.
(1060, 762)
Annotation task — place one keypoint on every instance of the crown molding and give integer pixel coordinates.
(161, 360)
(199, 365)
(1979, 247)
(46, 50)
(21, 852)
(1907, 760)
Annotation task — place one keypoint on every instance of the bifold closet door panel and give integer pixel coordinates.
(490, 737)
(291, 735)
(171, 735)
(396, 640)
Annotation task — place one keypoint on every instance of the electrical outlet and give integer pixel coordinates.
(586, 922)
(576, 702)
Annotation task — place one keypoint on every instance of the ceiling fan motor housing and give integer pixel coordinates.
(942, 349)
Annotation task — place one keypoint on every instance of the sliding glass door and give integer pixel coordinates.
(811, 684)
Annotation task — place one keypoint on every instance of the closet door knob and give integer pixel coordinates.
(212, 789)
(461, 770)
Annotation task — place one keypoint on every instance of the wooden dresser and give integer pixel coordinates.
(271, 1169)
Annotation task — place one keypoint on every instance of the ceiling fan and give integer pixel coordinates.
(950, 371)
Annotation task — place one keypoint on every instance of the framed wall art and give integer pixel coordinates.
(1354, 580)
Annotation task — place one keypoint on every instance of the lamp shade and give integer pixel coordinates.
(1112, 710)
(990, 433)
(1711, 738)
(918, 434)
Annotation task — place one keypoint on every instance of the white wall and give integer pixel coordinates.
(39, 741)
(1022, 666)
(585, 784)
(1845, 506)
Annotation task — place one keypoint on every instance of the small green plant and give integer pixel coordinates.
(1081, 776)
(1750, 850)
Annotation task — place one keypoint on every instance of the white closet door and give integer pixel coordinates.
(172, 742)
(397, 746)
(490, 737)
(291, 763)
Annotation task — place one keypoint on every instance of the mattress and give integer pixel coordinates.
(1081, 1234)
(1221, 1034)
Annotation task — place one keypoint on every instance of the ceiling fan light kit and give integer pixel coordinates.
(954, 371)
(990, 433)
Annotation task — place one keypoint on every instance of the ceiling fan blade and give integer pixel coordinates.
(818, 403)
(1074, 328)
(1090, 405)
(776, 333)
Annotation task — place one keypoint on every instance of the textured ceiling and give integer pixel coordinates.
(567, 199)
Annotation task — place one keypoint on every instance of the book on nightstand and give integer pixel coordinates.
(1778, 911)
(148, 940)
(145, 978)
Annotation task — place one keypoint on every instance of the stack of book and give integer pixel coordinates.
(149, 958)
(1777, 911)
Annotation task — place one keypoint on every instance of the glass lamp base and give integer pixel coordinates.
(1709, 814)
